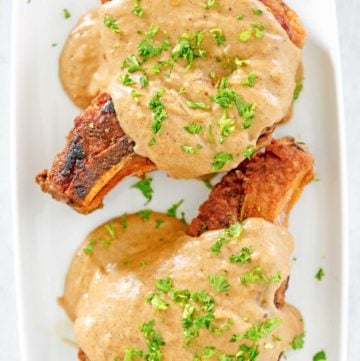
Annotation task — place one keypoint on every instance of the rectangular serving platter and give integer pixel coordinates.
(47, 233)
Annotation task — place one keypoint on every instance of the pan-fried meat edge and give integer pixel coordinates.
(96, 157)
(267, 186)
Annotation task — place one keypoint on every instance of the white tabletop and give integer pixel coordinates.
(348, 15)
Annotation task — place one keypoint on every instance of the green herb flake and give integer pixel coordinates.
(197, 105)
(126, 80)
(208, 352)
(153, 30)
(132, 64)
(145, 214)
(154, 341)
(207, 183)
(144, 81)
(297, 342)
(182, 91)
(89, 248)
(240, 17)
(250, 80)
(218, 35)
(171, 212)
(110, 229)
(244, 36)
(240, 62)
(242, 257)
(320, 356)
(159, 112)
(248, 153)
(124, 221)
(158, 222)
(144, 185)
(255, 275)
(110, 23)
(193, 128)
(164, 284)
(276, 277)
(298, 89)
(209, 4)
(232, 232)
(227, 126)
(219, 283)
(220, 159)
(258, 30)
(130, 354)
(188, 149)
(320, 274)
(67, 14)
(53, 45)
(157, 301)
(258, 11)
(138, 10)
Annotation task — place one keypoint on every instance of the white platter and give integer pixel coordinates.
(47, 233)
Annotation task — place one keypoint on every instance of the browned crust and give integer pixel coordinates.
(96, 157)
(266, 186)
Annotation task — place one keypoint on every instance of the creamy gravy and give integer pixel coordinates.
(94, 54)
(106, 291)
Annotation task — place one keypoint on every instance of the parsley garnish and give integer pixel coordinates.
(132, 64)
(153, 341)
(157, 302)
(153, 30)
(138, 10)
(193, 128)
(171, 212)
(240, 62)
(89, 249)
(158, 222)
(144, 81)
(145, 188)
(164, 284)
(243, 257)
(227, 126)
(257, 11)
(259, 330)
(67, 14)
(258, 30)
(209, 4)
(188, 149)
(320, 274)
(298, 89)
(218, 35)
(253, 276)
(208, 183)
(159, 112)
(319, 356)
(244, 36)
(240, 17)
(145, 214)
(219, 283)
(188, 47)
(147, 50)
(110, 229)
(126, 80)
(232, 232)
(249, 152)
(110, 23)
(197, 105)
(297, 342)
(250, 80)
(124, 221)
(220, 159)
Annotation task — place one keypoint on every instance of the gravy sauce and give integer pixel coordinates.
(106, 289)
(240, 40)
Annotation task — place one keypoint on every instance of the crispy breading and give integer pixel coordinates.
(266, 186)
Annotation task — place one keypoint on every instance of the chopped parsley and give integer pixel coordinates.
(164, 284)
(67, 14)
(240, 17)
(135, 94)
(197, 105)
(188, 149)
(153, 340)
(227, 126)
(276, 277)
(257, 11)
(132, 64)
(124, 221)
(159, 112)
(298, 89)
(258, 30)
(193, 128)
(147, 50)
(171, 212)
(144, 81)
(255, 275)
(208, 183)
(209, 4)
(188, 47)
(220, 159)
(158, 222)
(157, 301)
(320, 274)
(249, 152)
(126, 80)
(243, 257)
(144, 185)
(250, 80)
(145, 214)
(182, 91)
(259, 330)
(219, 283)
(89, 249)
(153, 30)
(244, 36)
(110, 23)
(320, 356)
(110, 229)
(297, 342)
(138, 10)
(240, 62)
(218, 35)
(232, 232)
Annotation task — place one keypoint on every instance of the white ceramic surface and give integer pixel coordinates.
(47, 233)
